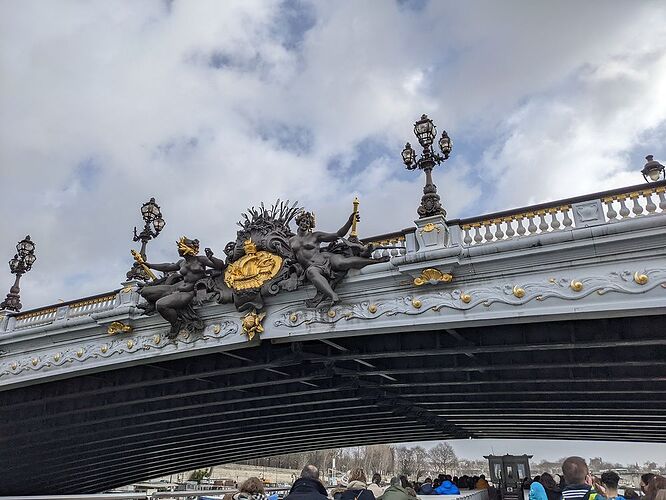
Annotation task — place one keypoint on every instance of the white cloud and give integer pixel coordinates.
(212, 107)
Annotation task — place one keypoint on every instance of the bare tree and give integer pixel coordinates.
(404, 460)
(442, 458)
(420, 461)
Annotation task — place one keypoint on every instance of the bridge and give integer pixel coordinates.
(542, 322)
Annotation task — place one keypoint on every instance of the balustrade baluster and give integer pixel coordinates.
(624, 211)
(467, 239)
(509, 227)
(543, 225)
(637, 209)
(554, 222)
(499, 234)
(566, 220)
(531, 226)
(520, 229)
(477, 233)
(649, 204)
(611, 213)
(488, 235)
(661, 192)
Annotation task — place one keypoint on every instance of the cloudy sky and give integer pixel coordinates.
(211, 107)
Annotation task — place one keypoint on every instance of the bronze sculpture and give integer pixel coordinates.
(172, 295)
(324, 268)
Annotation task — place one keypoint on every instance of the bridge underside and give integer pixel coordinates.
(601, 379)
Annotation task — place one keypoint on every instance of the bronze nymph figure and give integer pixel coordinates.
(172, 295)
(324, 268)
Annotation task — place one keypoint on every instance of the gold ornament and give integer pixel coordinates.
(35, 361)
(217, 329)
(432, 276)
(56, 357)
(251, 323)
(130, 343)
(293, 318)
(518, 292)
(416, 303)
(104, 348)
(466, 298)
(372, 308)
(14, 366)
(331, 313)
(429, 227)
(253, 269)
(576, 286)
(79, 353)
(156, 339)
(641, 279)
(118, 327)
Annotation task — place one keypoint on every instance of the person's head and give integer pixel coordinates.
(403, 481)
(395, 481)
(630, 494)
(305, 221)
(440, 477)
(436, 483)
(645, 479)
(187, 246)
(482, 476)
(310, 472)
(252, 485)
(575, 470)
(428, 480)
(656, 483)
(548, 481)
(357, 474)
(610, 480)
(447, 477)
(376, 478)
(537, 479)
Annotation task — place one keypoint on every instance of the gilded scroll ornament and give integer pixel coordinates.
(416, 303)
(466, 298)
(251, 323)
(518, 292)
(253, 269)
(432, 277)
(118, 327)
(576, 286)
(641, 279)
(429, 227)
(372, 308)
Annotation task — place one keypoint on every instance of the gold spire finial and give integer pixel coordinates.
(355, 203)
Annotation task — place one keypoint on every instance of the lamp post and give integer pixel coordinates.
(653, 170)
(425, 131)
(152, 216)
(19, 265)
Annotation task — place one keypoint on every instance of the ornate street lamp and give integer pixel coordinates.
(426, 132)
(19, 265)
(152, 215)
(652, 170)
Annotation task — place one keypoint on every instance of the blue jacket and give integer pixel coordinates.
(447, 488)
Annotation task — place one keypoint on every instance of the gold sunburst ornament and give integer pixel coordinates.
(251, 323)
(432, 277)
(118, 327)
(253, 269)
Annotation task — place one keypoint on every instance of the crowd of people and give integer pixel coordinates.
(575, 483)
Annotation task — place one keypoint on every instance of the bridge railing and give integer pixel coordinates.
(582, 211)
(48, 315)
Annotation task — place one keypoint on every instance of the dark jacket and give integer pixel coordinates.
(356, 490)
(427, 489)
(305, 488)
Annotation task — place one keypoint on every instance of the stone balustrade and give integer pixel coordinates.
(583, 211)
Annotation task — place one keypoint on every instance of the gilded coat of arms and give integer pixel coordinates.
(253, 269)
